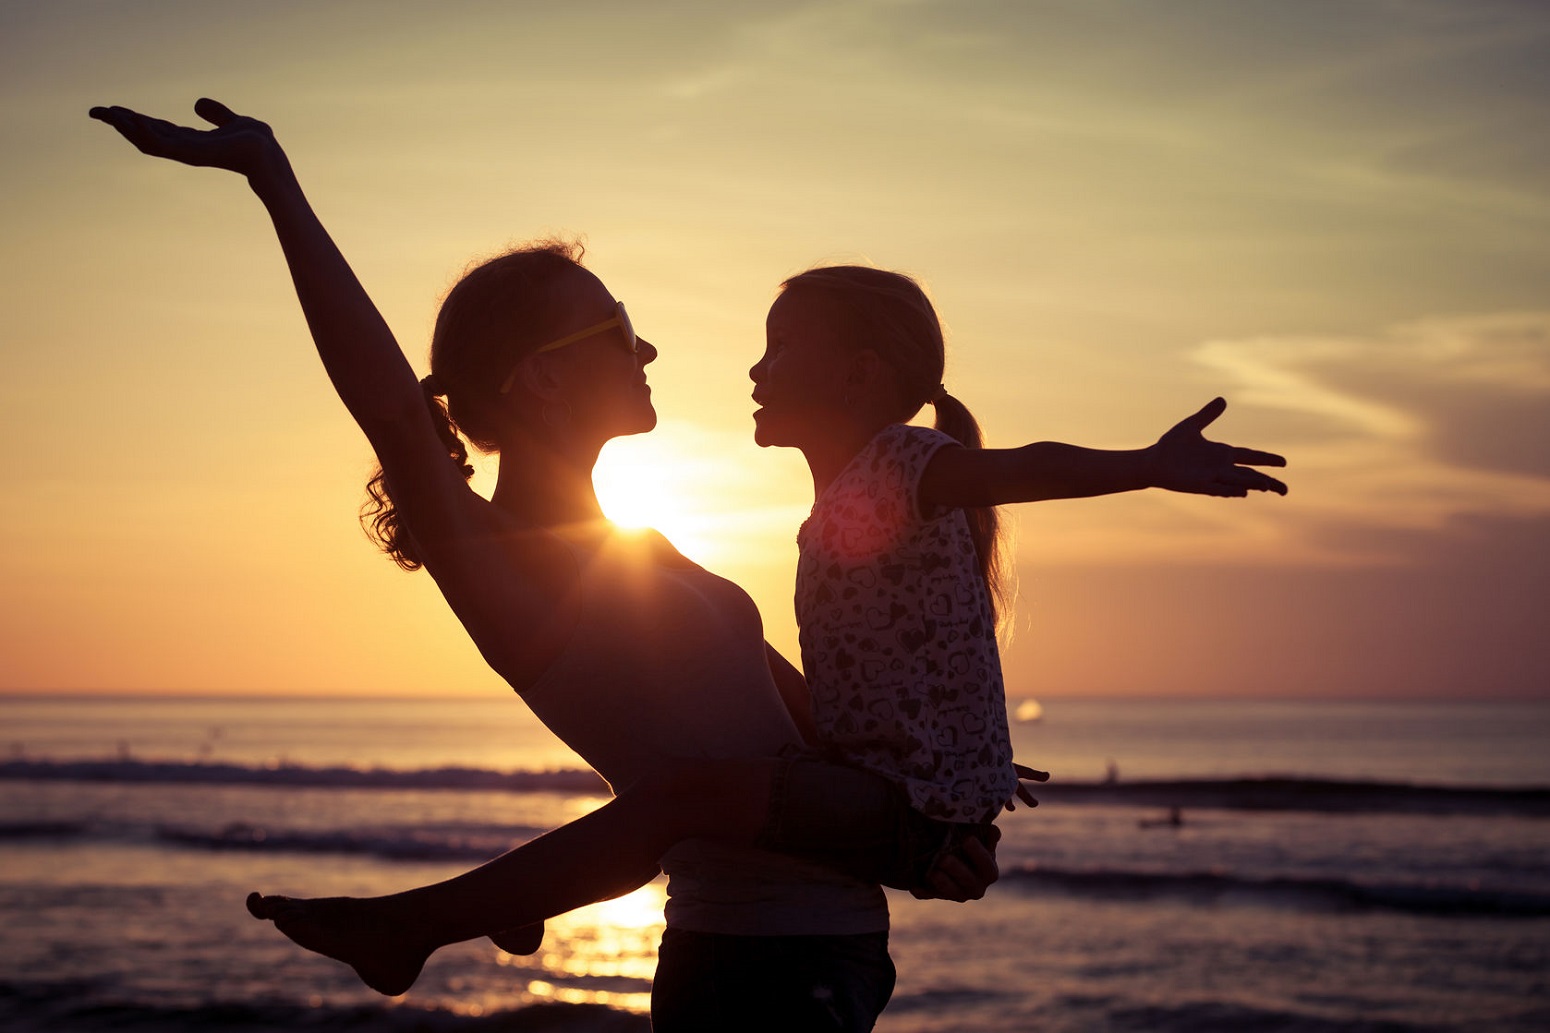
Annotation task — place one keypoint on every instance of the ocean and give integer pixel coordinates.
(1192, 867)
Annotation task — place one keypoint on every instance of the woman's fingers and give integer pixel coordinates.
(149, 135)
(213, 111)
(119, 118)
(237, 143)
(950, 880)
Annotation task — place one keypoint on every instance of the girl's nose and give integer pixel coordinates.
(646, 351)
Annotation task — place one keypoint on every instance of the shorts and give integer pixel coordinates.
(856, 821)
(715, 983)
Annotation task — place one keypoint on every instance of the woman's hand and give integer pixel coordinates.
(965, 874)
(238, 143)
(1183, 460)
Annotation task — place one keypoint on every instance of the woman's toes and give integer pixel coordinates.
(260, 906)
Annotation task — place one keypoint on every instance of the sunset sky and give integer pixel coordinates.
(1335, 214)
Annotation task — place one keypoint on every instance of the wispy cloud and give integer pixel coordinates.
(1411, 429)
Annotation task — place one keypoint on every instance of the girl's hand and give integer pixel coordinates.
(238, 143)
(1026, 774)
(1183, 460)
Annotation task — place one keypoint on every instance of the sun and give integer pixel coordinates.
(651, 483)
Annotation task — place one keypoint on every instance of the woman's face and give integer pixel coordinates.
(600, 378)
(799, 383)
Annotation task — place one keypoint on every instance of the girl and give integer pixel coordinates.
(899, 572)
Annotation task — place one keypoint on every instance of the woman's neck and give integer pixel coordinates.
(544, 487)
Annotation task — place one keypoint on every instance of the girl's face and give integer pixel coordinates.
(601, 377)
(800, 382)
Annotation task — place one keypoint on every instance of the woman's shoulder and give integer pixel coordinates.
(632, 546)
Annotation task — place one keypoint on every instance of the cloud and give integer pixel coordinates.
(1417, 428)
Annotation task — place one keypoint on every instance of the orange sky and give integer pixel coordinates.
(1121, 209)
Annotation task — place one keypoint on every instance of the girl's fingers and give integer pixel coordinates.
(1209, 412)
(1260, 482)
(1254, 457)
(1241, 480)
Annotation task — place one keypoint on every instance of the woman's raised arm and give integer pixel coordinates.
(367, 367)
(455, 529)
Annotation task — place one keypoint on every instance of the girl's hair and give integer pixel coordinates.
(495, 315)
(890, 314)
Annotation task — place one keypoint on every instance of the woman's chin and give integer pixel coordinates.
(647, 422)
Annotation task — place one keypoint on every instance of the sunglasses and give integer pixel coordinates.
(621, 319)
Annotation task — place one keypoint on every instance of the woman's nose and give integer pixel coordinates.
(646, 350)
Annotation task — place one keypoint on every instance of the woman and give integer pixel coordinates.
(630, 653)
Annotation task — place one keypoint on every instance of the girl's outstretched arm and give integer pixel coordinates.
(1181, 460)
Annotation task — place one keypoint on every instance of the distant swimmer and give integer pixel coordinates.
(1175, 819)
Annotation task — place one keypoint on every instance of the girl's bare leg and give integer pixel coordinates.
(603, 854)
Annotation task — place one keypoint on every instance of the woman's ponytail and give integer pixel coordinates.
(501, 310)
(379, 517)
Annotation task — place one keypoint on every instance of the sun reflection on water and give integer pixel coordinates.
(635, 1002)
(600, 954)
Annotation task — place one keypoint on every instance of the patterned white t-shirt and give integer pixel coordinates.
(898, 642)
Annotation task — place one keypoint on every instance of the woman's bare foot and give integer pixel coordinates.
(350, 930)
(524, 939)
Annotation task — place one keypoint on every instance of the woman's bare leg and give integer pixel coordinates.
(603, 854)
(524, 939)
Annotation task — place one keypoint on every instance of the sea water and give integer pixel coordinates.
(1193, 866)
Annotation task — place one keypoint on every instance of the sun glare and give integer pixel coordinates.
(594, 954)
(652, 484)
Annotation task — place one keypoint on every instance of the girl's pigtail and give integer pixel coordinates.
(379, 517)
(954, 419)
